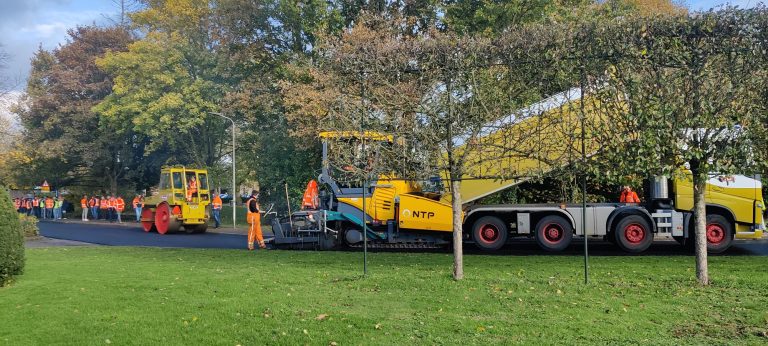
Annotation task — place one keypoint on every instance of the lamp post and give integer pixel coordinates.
(232, 193)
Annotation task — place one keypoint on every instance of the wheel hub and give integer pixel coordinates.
(634, 233)
(715, 234)
(553, 233)
(489, 233)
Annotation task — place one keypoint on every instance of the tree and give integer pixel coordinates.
(687, 91)
(64, 135)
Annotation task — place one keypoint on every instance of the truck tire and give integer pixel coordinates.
(489, 233)
(633, 234)
(719, 233)
(554, 233)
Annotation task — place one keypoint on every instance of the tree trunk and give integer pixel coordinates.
(458, 243)
(700, 217)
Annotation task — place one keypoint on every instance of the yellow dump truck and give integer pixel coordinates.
(181, 200)
(401, 213)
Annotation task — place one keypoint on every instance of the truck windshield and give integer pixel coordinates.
(177, 181)
(203, 181)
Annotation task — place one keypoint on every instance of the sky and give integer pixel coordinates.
(26, 25)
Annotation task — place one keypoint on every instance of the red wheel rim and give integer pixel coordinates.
(162, 218)
(553, 233)
(715, 233)
(147, 214)
(489, 233)
(634, 233)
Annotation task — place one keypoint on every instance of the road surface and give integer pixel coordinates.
(133, 235)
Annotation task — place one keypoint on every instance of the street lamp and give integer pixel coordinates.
(232, 193)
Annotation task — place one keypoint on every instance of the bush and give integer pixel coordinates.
(28, 226)
(11, 240)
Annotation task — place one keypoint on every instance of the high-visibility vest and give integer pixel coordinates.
(192, 186)
(29, 204)
(35, 202)
(17, 203)
(629, 197)
(112, 203)
(216, 202)
(49, 203)
(136, 202)
(120, 204)
(92, 202)
(103, 203)
(57, 203)
(84, 203)
(310, 199)
(252, 217)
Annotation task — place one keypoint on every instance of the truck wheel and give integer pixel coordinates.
(148, 220)
(554, 233)
(633, 234)
(489, 233)
(163, 218)
(719, 233)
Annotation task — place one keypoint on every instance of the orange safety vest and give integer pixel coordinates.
(629, 197)
(192, 186)
(310, 199)
(253, 218)
(120, 204)
(49, 203)
(104, 203)
(111, 202)
(84, 203)
(135, 202)
(16, 203)
(216, 204)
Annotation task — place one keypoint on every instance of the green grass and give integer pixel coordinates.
(98, 295)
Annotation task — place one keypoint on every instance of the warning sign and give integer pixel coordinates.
(46, 187)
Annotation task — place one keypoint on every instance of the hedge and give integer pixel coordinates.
(11, 240)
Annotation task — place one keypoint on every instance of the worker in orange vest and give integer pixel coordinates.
(17, 205)
(36, 207)
(84, 206)
(48, 207)
(119, 207)
(28, 204)
(111, 213)
(628, 196)
(191, 188)
(254, 220)
(137, 205)
(103, 207)
(216, 206)
(94, 204)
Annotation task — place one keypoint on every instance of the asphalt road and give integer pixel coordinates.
(133, 235)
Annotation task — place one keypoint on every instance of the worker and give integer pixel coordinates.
(311, 200)
(94, 204)
(17, 205)
(119, 207)
(137, 205)
(84, 206)
(254, 220)
(191, 188)
(57, 204)
(103, 207)
(48, 212)
(36, 207)
(216, 206)
(628, 196)
(111, 204)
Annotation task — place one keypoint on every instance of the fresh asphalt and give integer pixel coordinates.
(132, 234)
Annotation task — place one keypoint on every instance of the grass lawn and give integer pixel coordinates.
(99, 295)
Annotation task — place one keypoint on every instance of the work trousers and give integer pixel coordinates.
(138, 213)
(95, 213)
(48, 213)
(217, 217)
(57, 213)
(254, 232)
(118, 213)
(85, 214)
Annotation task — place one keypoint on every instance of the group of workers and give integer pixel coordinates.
(109, 208)
(40, 207)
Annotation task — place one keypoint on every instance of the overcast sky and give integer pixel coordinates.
(26, 25)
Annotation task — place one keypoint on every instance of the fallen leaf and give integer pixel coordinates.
(377, 326)
(333, 343)
(321, 317)
(305, 331)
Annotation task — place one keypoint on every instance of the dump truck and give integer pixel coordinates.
(402, 213)
(180, 200)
